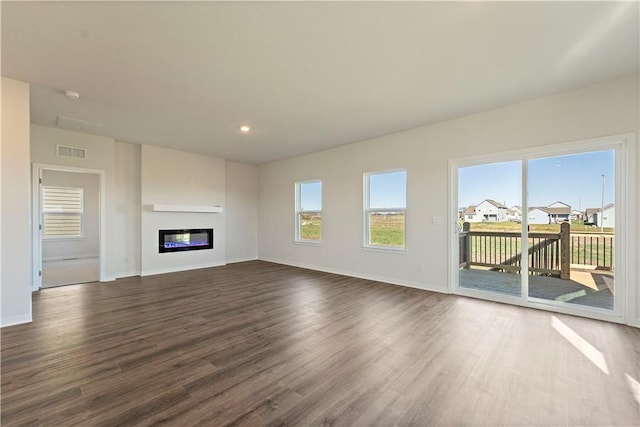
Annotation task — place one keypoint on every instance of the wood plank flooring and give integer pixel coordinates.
(264, 344)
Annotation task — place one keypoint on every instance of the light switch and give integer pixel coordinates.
(436, 220)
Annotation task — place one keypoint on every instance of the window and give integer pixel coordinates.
(385, 209)
(62, 209)
(309, 211)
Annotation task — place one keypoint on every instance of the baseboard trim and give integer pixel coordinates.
(59, 258)
(127, 274)
(383, 279)
(237, 260)
(16, 320)
(178, 269)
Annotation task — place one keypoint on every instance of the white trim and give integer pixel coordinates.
(308, 242)
(81, 256)
(298, 211)
(36, 232)
(37, 168)
(625, 309)
(386, 249)
(181, 268)
(127, 274)
(376, 278)
(367, 210)
(237, 260)
(16, 320)
(572, 309)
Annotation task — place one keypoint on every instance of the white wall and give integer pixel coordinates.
(101, 155)
(604, 109)
(127, 208)
(88, 245)
(15, 198)
(241, 212)
(178, 178)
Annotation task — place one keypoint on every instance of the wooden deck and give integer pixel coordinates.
(590, 289)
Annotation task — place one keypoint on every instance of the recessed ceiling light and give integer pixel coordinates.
(245, 128)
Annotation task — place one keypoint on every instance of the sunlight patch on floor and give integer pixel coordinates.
(634, 385)
(582, 345)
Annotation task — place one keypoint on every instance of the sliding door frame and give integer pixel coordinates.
(625, 231)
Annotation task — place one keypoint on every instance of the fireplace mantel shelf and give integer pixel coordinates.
(187, 208)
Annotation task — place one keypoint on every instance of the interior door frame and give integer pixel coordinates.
(36, 222)
(625, 310)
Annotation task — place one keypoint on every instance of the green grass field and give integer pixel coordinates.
(386, 230)
(311, 227)
(576, 227)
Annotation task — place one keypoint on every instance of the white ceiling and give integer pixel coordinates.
(306, 76)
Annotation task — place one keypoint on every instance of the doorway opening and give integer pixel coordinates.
(67, 224)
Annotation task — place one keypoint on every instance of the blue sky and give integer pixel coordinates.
(311, 196)
(574, 179)
(388, 190)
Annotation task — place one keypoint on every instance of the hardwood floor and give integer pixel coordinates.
(264, 344)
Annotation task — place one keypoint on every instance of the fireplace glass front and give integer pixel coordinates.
(185, 240)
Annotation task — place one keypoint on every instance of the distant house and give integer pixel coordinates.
(607, 219)
(590, 215)
(538, 215)
(470, 214)
(609, 216)
(558, 212)
(577, 215)
(555, 213)
(487, 211)
(514, 213)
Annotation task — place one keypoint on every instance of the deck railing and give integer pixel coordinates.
(550, 254)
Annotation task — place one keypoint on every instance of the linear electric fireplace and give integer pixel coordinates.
(185, 240)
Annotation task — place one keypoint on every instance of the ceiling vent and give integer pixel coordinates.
(65, 151)
(78, 125)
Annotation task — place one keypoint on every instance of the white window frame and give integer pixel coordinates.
(368, 210)
(62, 212)
(625, 310)
(299, 211)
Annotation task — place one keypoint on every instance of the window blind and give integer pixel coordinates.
(62, 208)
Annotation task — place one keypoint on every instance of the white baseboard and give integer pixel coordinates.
(16, 320)
(70, 257)
(128, 274)
(177, 269)
(237, 260)
(383, 279)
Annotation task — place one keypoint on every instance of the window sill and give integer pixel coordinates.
(308, 242)
(49, 239)
(385, 249)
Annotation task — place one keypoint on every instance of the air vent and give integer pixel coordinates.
(65, 151)
(79, 125)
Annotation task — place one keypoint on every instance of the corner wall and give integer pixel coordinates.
(241, 212)
(15, 200)
(605, 109)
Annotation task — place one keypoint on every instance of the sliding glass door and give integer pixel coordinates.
(571, 217)
(490, 227)
(541, 228)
